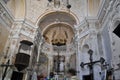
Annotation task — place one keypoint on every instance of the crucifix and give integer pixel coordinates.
(91, 63)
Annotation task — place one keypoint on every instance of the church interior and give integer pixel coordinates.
(42, 36)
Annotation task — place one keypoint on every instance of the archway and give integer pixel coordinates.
(57, 29)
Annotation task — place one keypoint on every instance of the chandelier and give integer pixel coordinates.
(57, 3)
(59, 38)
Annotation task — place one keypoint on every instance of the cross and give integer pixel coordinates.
(91, 63)
(6, 67)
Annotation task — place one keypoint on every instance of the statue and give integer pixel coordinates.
(61, 66)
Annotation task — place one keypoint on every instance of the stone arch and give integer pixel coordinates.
(57, 14)
(57, 18)
(50, 25)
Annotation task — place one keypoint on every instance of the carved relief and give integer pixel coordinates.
(57, 5)
(23, 37)
(15, 30)
(118, 7)
(28, 31)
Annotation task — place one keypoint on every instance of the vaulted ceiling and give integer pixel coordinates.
(33, 9)
(54, 18)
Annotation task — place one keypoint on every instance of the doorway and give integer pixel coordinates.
(87, 77)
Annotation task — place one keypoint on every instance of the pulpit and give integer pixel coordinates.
(23, 55)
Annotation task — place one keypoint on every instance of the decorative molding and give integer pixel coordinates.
(28, 31)
(4, 15)
(57, 5)
(106, 8)
(48, 48)
(101, 9)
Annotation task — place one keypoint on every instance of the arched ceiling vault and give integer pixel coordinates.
(57, 27)
(57, 16)
(58, 33)
(17, 8)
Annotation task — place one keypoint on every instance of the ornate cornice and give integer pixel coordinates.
(64, 50)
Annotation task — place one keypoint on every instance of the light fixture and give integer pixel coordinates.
(57, 3)
(68, 5)
(50, 0)
(90, 52)
(59, 40)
